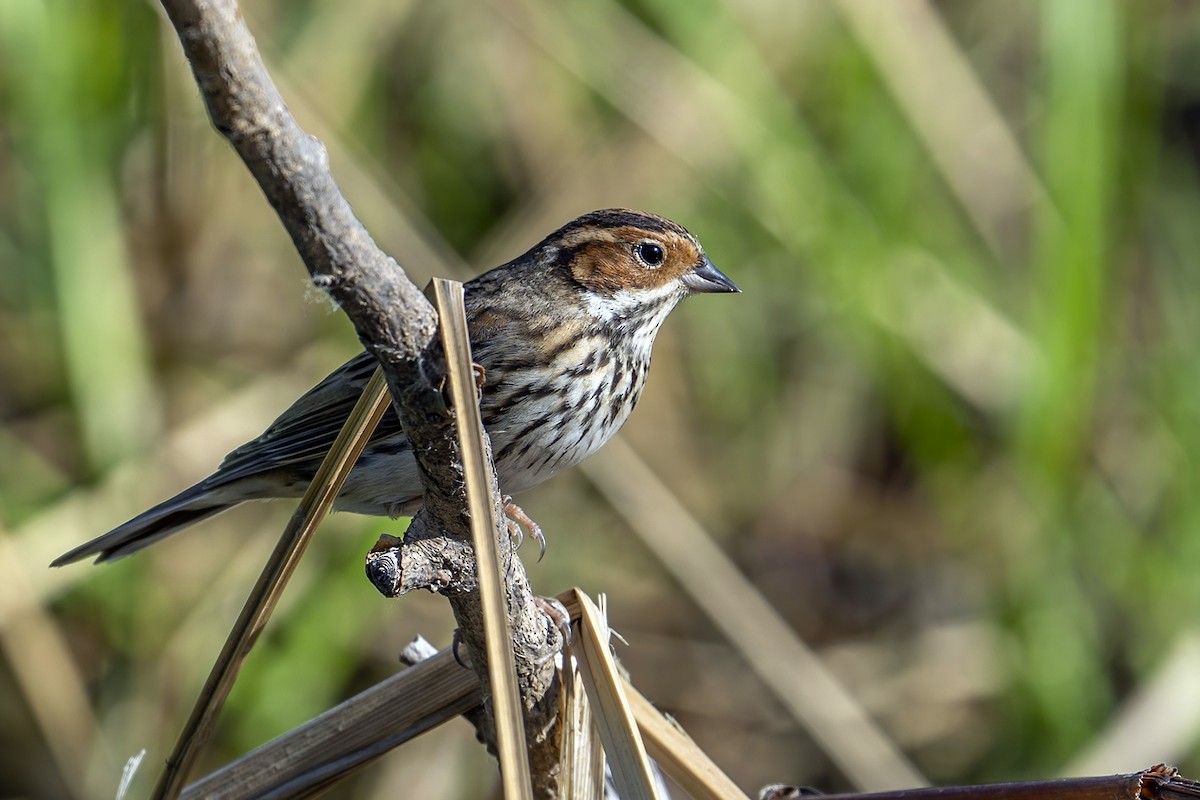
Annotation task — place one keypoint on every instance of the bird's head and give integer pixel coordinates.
(611, 270)
(624, 259)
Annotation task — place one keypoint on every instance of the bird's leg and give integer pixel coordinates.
(517, 518)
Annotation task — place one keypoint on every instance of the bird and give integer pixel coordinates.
(563, 335)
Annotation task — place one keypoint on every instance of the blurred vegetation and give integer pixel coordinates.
(950, 429)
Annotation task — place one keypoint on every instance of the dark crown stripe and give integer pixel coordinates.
(622, 218)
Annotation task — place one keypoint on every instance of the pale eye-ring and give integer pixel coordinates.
(650, 253)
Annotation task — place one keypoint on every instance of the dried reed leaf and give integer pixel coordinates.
(349, 735)
(477, 474)
(313, 507)
(677, 755)
(631, 770)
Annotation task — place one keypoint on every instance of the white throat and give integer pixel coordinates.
(623, 303)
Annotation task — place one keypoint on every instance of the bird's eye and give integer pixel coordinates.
(650, 253)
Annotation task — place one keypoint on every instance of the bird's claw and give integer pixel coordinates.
(518, 518)
(480, 375)
(456, 642)
(558, 615)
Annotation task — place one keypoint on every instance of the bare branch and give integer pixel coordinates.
(393, 320)
(391, 315)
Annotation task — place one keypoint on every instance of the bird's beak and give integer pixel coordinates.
(704, 277)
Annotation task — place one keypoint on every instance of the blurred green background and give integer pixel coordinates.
(949, 430)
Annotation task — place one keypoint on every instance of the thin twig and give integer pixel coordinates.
(1159, 782)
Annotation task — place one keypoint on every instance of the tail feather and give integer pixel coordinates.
(184, 509)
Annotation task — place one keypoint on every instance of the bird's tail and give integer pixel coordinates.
(186, 508)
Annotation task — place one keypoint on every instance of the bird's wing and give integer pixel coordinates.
(305, 432)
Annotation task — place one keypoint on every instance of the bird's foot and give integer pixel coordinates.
(518, 518)
(557, 613)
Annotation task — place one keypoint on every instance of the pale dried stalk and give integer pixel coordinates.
(631, 770)
(677, 755)
(315, 504)
(349, 735)
(480, 479)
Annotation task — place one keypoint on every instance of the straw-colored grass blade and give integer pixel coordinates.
(623, 746)
(502, 671)
(349, 735)
(313, 507)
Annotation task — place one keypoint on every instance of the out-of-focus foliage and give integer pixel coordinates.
(950, 429)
